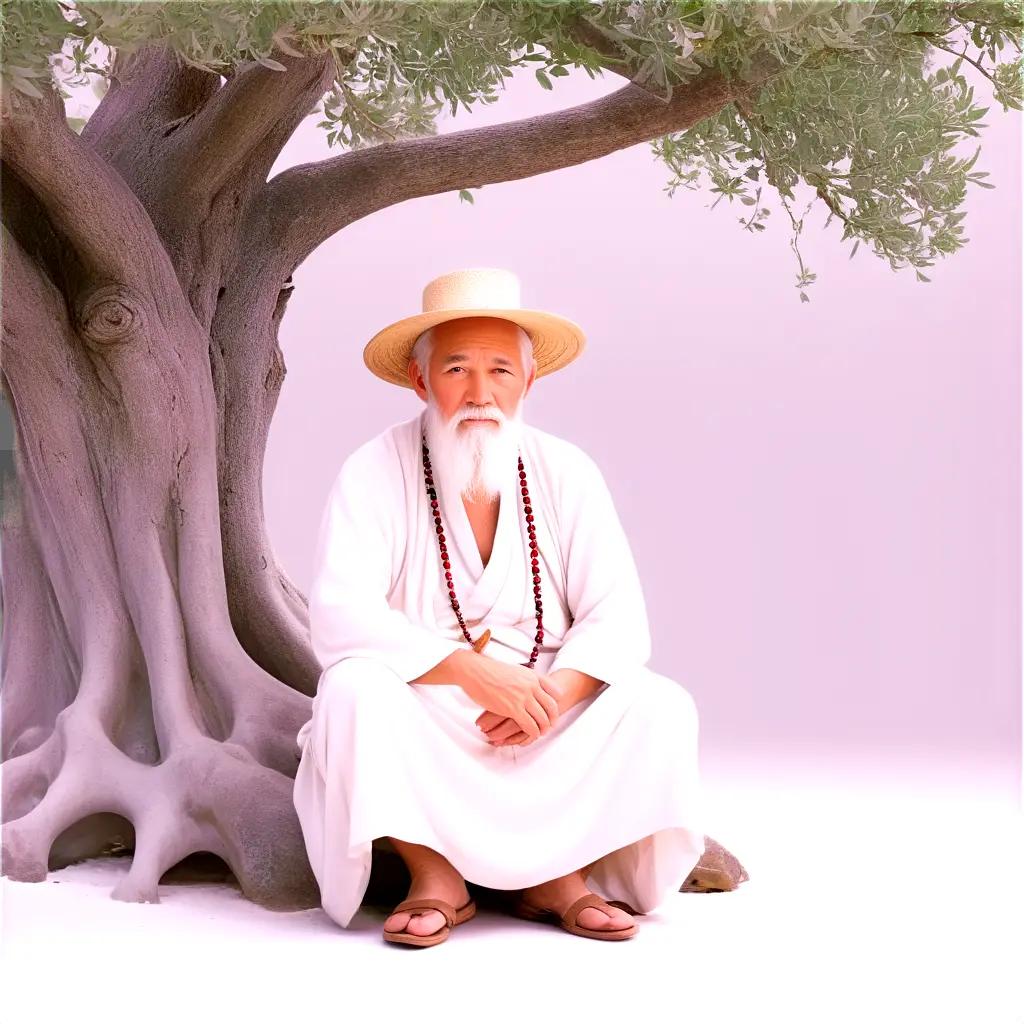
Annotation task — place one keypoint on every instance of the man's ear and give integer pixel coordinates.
(532, 377)
(416, 379)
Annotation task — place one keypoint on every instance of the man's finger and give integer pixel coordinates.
(532, 719)
(499, 720)
(550, 685)
(549, 703)
(503, 731)
(539, 714)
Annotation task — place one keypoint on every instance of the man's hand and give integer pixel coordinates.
(569, 686)
(511, 691)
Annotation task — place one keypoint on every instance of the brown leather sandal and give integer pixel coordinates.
(568, 920)
(623, 905)
(452, 918)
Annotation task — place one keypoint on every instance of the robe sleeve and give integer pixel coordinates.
(349, 614)
(610, 635)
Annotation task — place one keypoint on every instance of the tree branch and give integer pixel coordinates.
(150, 90)
(237, 119)
(29, 299)
(932, 38)
(586, 33)
(86, 200)
(305, 205)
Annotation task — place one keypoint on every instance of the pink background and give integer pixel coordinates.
(823, 499)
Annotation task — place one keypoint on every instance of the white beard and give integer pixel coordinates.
(473, 461)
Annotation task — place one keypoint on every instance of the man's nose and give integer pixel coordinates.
(478, 391)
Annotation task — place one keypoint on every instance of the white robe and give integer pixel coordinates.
(615, 779)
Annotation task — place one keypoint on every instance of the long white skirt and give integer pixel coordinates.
(614, 781)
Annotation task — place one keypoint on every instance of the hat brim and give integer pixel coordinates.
(556, 340)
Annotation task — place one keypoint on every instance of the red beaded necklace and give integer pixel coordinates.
(534, 561)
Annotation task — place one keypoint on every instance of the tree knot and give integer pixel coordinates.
(111, 314)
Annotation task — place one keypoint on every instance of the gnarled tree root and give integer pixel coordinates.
(206, 796)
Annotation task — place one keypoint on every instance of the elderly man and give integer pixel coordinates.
(485, 702)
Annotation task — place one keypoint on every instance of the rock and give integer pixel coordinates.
(716, 871)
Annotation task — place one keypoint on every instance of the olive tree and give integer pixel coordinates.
(156, 657)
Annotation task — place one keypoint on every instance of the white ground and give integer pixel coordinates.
(873, 898)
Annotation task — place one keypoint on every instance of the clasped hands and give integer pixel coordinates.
(501, 730)
(557, 692)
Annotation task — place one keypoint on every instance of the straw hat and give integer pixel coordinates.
(478, 291)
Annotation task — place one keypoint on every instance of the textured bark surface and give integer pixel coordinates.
(156, 659)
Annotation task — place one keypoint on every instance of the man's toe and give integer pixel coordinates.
(426, 923)
(395, 922)
(613, 920)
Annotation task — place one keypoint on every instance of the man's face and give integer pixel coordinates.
(475, 365)
(474, 404)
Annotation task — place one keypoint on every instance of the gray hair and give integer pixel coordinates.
(425, 342)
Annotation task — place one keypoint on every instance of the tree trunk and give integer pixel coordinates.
(126, 690)
(135, 714)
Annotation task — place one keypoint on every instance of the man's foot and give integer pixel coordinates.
(560, 894)
(449, 886)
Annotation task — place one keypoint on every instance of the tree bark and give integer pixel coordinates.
(156, 658)
(144, 706)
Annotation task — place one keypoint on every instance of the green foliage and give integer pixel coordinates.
(860, 117)
(872, 138)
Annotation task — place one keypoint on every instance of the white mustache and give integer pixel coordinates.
(496, 416)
